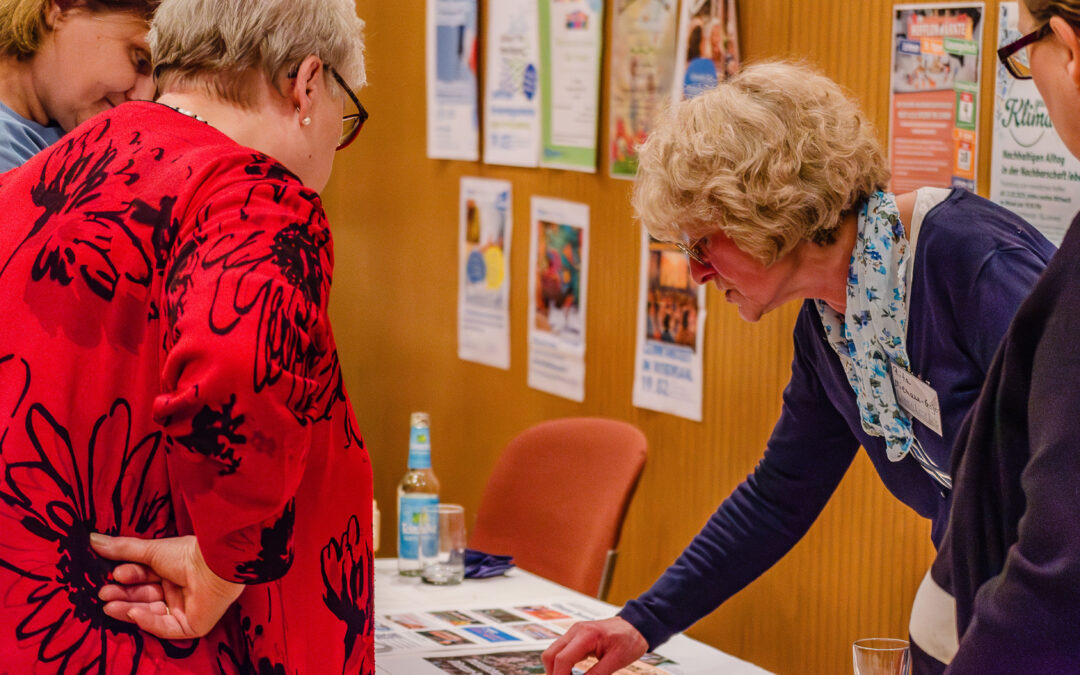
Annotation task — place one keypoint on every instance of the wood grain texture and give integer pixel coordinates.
(394, 216)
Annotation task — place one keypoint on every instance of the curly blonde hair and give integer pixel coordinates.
(771, 157)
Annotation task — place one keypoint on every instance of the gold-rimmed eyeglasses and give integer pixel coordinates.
(695, 250)
(1014, 56)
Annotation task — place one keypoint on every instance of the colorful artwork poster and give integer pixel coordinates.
(446, 638)
(456, 618)
(642, 71)
(708, 46)
(934, 108)
(504, 663)
(453, 121)
(485, 230)
(558, 283)
(670, 334)
(499, 615)
(1032, 173)
(512, 85)
(491, 634)
(571, 43)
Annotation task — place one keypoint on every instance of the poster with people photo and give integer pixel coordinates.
(643, 34)
(934, 106)
(558, 280)
(453, 116)
(670, 333)
(708, 48)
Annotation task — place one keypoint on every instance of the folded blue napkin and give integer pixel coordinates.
(480, 565)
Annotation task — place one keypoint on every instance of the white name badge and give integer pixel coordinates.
(916, 397)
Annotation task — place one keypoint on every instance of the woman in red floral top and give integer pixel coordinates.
(168, 376)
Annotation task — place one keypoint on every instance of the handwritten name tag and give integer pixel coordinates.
(916, 397)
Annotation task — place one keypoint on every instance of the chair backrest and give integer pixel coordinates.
(557, 497)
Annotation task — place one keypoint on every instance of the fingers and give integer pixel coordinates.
(139, 593)
(129, 549)
(548, 657)
(133, 573)
(155, 619)
(576, 649)
(124, 610)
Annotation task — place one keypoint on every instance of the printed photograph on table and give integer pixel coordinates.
(934, 106)
(643, 36)
(456, 618)
(1032, 173)
(512, 83)
(446, 638)
(499, 615)
(650, 664)
(491, 634)
(537, 631)
(668, 367)
(453, 119)
(504, 663)
(485, 233)
(708, 46)
(542, 612)
(410, 621)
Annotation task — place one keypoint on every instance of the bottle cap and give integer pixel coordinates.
(419, 419)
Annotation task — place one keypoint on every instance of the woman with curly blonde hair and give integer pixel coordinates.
(774, 184)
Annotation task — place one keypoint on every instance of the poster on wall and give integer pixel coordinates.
(558, 283)
(708, 48)
(642, 71)
(571, 42)
(934, 102)
(1032, 173)
(670, 333)
(512, 86)
(453, 122)
(485, 232)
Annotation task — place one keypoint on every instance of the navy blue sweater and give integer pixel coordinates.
(975, 262)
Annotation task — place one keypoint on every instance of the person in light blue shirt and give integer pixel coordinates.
(64, 61)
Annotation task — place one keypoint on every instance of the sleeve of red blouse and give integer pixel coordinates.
(247, 368)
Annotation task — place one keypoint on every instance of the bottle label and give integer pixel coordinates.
(413, 523)
(419, 448)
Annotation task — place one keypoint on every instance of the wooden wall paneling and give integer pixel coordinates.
(394, 305)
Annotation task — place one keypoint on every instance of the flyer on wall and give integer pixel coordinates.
(453, 122)
(670, 333)
(558, 284)
(485, 232)
(708, 47)
(934, 97)
(571, 42)
(642, 71)
(511, 89)
(1032, 173)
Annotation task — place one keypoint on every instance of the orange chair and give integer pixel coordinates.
(557, 497)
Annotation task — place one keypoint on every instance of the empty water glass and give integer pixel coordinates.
(442, 544)
(882, 656)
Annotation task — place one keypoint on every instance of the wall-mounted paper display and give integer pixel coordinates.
(453, 124)
(485, 232)
(670, 333)
(512, 85)
(934, 104)
(642, 71)
(1032, 173)
(571, 42)
(558, 283)
(708, 48)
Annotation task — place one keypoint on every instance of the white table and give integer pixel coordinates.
(402, 604)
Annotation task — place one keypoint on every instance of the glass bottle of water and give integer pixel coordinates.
(419, 488)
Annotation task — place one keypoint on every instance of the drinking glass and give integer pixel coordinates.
(442, 544)
(881, 656)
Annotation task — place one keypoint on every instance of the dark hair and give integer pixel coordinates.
(1043, 10)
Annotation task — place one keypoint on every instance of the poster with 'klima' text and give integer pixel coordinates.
(485, 217)
(558, 282)
(453, 124)
(670, 333)
(933, 132)
(512, 86)
(1032, 173)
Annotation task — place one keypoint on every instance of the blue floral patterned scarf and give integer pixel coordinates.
(872, 332)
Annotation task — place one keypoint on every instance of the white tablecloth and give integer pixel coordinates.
(407, 600)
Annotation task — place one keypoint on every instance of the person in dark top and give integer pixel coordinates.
(773, 183)
(1011, 554)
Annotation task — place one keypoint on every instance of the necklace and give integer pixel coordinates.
(184, 111)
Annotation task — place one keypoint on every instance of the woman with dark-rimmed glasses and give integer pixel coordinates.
(1011, 556)
(182, 486)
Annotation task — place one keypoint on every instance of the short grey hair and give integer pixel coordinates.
(218, 44)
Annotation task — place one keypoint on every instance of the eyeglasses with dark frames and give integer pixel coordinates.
(695, 250)
(1014, 56)
(352, 123)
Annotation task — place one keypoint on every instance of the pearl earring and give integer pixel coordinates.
(306, 121)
